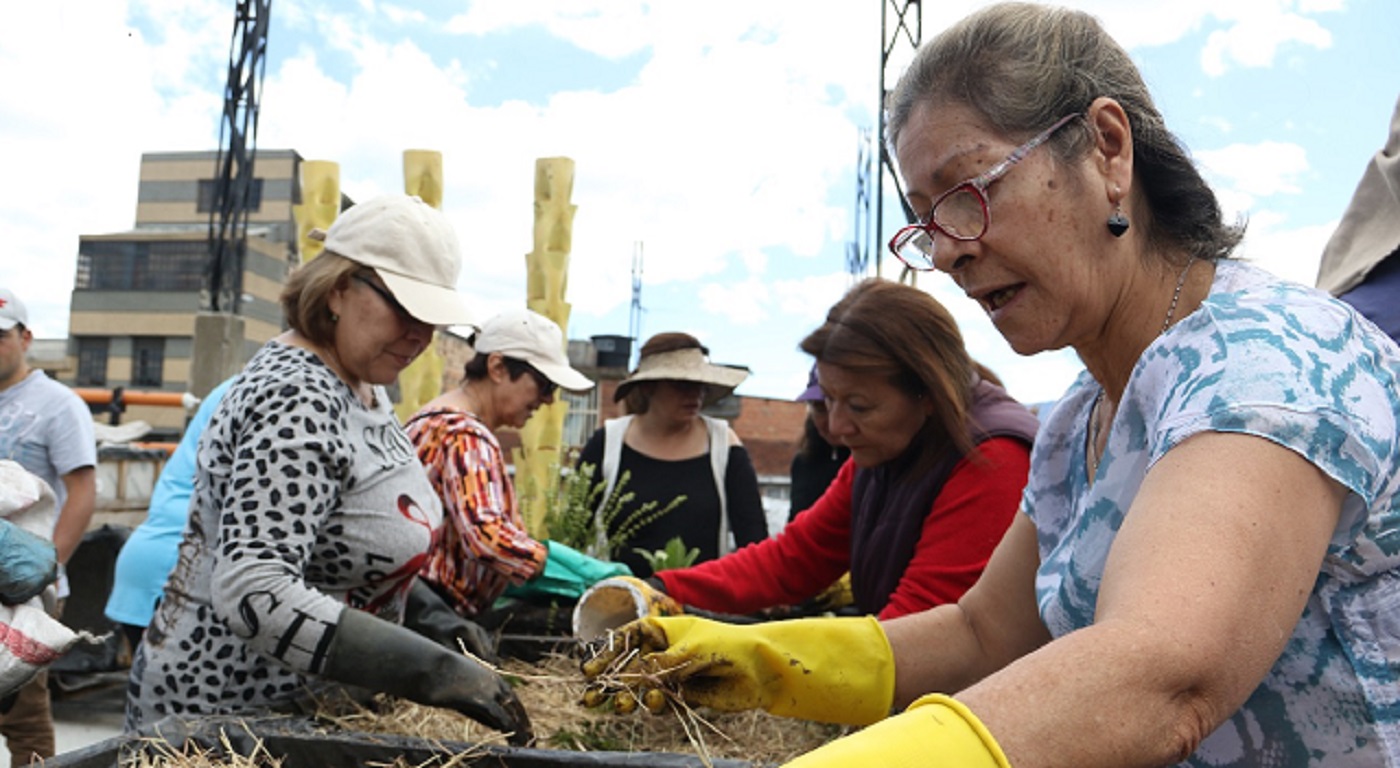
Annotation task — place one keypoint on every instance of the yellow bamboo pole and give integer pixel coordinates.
(538, 459)
(320, 204)
(421, 381)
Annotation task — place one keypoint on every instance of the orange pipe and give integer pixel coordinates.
(169, 448)
(104, 396)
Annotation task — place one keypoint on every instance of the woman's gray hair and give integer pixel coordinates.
(1023, 66)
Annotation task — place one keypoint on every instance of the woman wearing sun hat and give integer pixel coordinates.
(311, 514)
(485, 548)
(669, 449)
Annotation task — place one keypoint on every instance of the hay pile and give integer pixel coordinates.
(551, 690)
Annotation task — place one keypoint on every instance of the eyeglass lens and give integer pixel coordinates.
(960, 214)
(546, 386)
(386, 296)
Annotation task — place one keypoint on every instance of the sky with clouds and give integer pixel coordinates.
(718, 139)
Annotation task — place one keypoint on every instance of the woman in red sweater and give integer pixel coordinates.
(939, 455)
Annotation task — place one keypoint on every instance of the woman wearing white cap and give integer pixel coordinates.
(485, 548)
(670, 449)
(311, 514)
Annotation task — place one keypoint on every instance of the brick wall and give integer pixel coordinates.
(770, 430)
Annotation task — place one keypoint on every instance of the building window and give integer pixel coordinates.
(147, 361)
(92, 361)
(125, 265)
(581, 420)
(207, 187)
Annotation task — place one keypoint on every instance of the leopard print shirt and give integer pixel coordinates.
(305, 502)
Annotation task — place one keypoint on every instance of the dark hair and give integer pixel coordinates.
(1023, 66)
(478, 367)
(811, 444)
(889, 329)
(638, 397)
(306, 295)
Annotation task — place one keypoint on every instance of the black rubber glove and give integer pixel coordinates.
(430, 616)
(372, 653)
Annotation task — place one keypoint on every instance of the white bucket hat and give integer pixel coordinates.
(535, 339)
(412, 247)
(684, 365)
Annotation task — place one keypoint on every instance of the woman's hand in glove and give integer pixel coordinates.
(830, 670)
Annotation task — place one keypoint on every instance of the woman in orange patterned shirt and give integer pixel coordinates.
(483, 546)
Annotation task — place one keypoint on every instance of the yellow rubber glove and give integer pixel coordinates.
(934, 731)
(832, 670)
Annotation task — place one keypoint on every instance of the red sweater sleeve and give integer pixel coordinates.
(803, 559)
(969, 517)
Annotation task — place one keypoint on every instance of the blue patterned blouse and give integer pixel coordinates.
(1292, 365)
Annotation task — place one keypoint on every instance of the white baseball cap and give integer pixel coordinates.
(412, 247)
(530, 337)
(12, 311)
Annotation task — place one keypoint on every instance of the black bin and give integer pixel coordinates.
(299, 743)
(613, 351)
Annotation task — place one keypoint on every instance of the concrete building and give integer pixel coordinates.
(136, 297)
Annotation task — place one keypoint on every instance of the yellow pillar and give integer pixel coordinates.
(320, 204)
(538, 459)
(421, 381)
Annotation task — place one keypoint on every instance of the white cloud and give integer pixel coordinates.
(1292, 253)
(1258, 170)
(1255, 38)
(743, 303)
(727, 158)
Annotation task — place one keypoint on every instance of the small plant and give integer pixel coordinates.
(674, 555)
(571, 519)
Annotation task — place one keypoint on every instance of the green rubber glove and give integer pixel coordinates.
(567, 574)
(832, 670)
(934, 731)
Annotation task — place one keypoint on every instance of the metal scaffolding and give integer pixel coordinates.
(906, 27)
(233, 172)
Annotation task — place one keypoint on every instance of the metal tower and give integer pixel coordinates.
(233, 171)
(634, 319)
(859, 246)
(907, 26)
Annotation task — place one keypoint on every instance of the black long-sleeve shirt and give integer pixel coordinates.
(697, 519)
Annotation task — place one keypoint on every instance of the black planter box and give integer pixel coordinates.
(301, 744)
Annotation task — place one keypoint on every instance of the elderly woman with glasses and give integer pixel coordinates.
(1204, 570)
(310, 514)
(484, 547)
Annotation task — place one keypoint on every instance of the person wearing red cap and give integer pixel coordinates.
(47, 429)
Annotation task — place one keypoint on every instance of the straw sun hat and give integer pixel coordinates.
(684, 365)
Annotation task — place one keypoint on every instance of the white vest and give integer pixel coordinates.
(613, 432)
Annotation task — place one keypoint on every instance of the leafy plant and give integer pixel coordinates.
(674, 555)
(570, 512)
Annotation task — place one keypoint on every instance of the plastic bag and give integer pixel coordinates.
(30, 639)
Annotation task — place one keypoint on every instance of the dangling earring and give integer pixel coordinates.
(1117, 222)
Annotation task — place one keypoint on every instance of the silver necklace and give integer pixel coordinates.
(1095, 422)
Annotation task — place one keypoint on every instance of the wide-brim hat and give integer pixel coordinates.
(525, 335)
(684, 365)
(412, 247)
